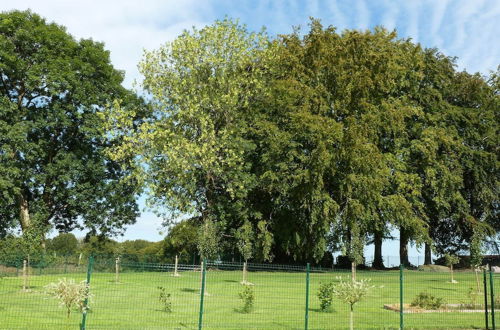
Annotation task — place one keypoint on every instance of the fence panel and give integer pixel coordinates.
(128, 294)
(437, 299)
(24, 299)
(368, 313)
(275, 296)
(496, 298)
(143, 295)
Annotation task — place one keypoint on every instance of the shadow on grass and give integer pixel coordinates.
(443, 289)
(242, 311)
(231, 281)
(190, 290)
(31, 288)
(318, 310)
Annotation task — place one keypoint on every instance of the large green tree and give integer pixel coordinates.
(53, 96)
(193, 152)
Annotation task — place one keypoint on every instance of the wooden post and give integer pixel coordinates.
(176, 273)
(117, 269)
(244, 281)
(25, 275)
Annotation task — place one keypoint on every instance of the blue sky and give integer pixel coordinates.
(468, 29)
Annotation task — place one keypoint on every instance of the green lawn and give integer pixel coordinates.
(279, 302)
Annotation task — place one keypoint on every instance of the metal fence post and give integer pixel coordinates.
(202, 294)
(492, 294)
(401, 311)
(485, 284)
(308, 269)
(85, 303)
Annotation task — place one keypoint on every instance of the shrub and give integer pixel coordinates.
(325, 296)
(165, 299)
(248, 297)
(426, 300)
(71, 295)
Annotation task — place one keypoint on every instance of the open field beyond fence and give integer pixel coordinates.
(133, 302)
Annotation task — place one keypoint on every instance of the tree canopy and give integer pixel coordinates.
(54, 92)
(282, 148)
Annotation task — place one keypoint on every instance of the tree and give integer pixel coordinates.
(53, 95)
(476, 255)
(208, 240)
(351, 292)
(451, 260)
(63, 244)
(182, 240)
(193, 151)
(245, 238)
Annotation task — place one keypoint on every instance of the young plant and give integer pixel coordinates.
(165, 299)
(476, 255)
(248, 297)
(71, 295)
(451, 260)
(325, 296)
(245, 237)
(426, 300)
(352, 292)
(473, 295)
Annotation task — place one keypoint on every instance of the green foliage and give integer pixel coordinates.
(476, 251)
(426, 300)
(63, 244)
(245, 238)
(451, 260)
(315, 141)
(53, 94)
(70, 294)
(208, 240)
(182, 240)
(165, 300)
(325, 296)
(99, 245)
(352, 292)
(247, 295)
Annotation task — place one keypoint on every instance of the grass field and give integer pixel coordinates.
(133, 303)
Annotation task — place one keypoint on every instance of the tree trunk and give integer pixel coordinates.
(403, 247)
(24, 214)
(378, 261)
(351, 319)
(428, 254)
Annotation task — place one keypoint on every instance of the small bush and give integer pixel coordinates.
(165, 299)
(248, 297)
(427, 301)
(325, 296)
(71, 295)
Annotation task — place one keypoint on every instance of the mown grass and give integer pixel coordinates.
(133, 302)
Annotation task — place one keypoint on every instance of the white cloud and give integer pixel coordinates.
(126, 27)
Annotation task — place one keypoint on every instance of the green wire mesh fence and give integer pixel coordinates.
(128, 294)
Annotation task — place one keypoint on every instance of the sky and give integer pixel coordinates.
(467, 29)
